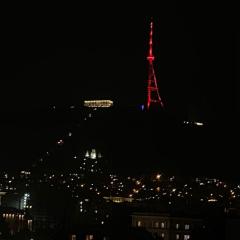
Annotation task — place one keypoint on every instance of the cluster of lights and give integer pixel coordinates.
(60, 142)
(98, 103)
(26, 198)
(26, 173)
(193, 123)
(9, 216)
(154, 187)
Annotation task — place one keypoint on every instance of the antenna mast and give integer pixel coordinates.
(153, 96)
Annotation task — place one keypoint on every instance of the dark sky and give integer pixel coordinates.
(64, 54)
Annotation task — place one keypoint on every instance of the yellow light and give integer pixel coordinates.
(158, 176)
(138, 182)
(98, 103)
(212, 200)
(135, 190)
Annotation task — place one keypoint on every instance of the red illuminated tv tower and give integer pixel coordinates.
(153, 96)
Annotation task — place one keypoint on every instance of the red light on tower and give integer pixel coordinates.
(153, 96)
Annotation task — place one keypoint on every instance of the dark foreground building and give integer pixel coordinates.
(166, 226)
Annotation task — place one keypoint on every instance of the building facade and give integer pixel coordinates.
(164, 226)
(16, 219)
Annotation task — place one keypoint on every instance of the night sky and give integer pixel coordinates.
(59, 56)
(63, 57)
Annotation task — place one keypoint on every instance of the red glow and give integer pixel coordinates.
(152, 90)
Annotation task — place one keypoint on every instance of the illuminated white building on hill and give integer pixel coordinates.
(98, 103)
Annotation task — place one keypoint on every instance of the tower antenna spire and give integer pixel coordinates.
(153, 96)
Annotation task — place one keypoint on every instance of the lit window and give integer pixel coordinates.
(162, 225)
(186, 237)
(177, 226)
(187, 226)
(30, 225)
(156, 224)
(162, 235)
(177, 236)
(139, 223)
(89, 237)
(73, 237)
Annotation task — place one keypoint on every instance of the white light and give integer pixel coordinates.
(198, 123)
(93, 154)
(212, 200)
(60, 142)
